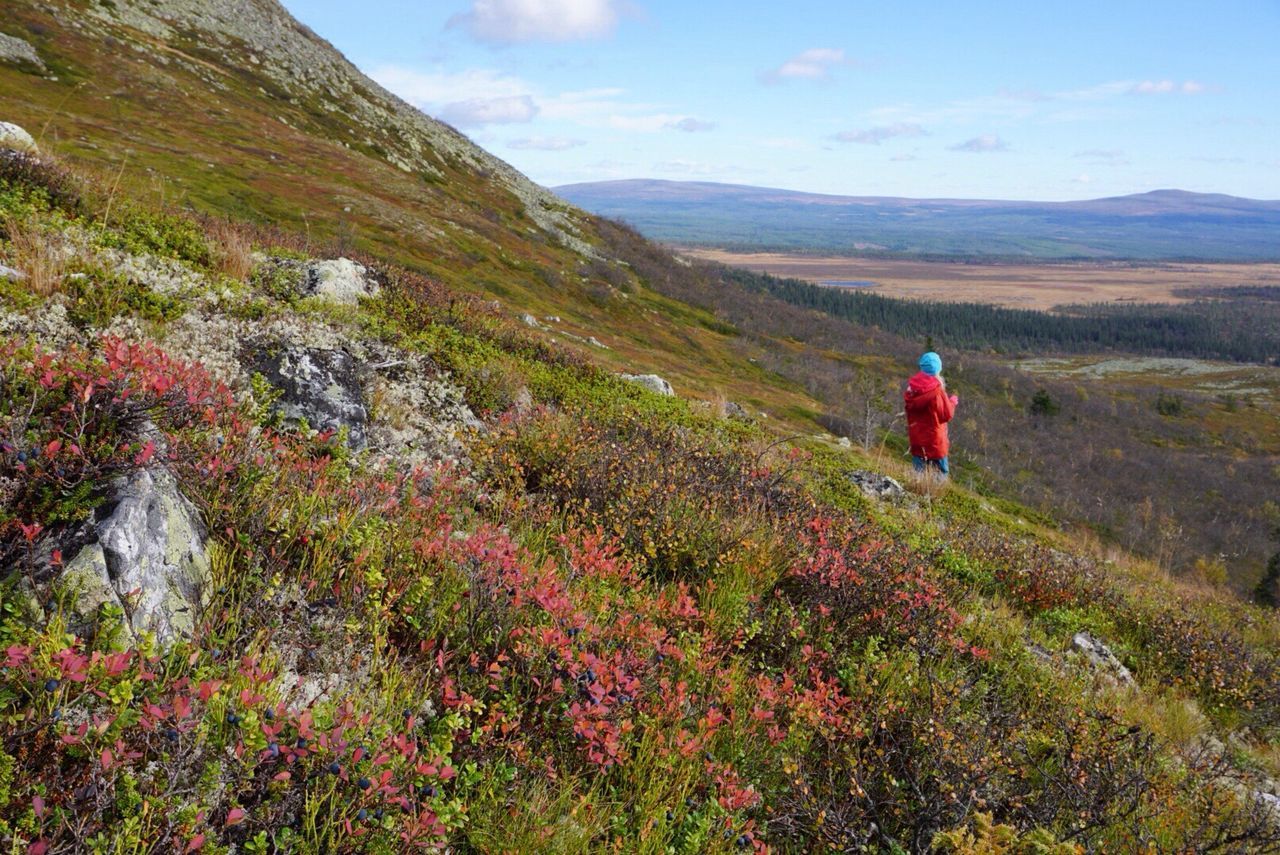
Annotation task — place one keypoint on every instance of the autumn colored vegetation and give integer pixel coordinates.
(618, 622)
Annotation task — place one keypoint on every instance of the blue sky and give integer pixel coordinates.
(1022, 100)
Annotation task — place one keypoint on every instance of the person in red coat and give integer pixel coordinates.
(929, 408)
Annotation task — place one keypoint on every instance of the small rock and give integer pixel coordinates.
(340, 280)
(592, 340)
(530, 320)
(877, 485)
(651, 382)
(20, 51)
(844, 442)
(17, 139)
(12, 273)
(734, 410)
(552, 319)
(1101, 659)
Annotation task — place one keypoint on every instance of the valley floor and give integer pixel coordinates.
(1023, 286)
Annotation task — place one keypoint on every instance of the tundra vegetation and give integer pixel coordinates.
(610, 620)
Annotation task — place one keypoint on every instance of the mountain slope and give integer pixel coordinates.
(303, 555)
(1155, 225)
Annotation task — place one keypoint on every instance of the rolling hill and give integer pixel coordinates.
(328, 524)
(1162, 224)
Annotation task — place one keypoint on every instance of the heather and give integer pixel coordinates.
(598, 619)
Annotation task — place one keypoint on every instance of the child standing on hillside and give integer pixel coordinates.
(929, 408)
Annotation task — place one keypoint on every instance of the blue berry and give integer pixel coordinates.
(428, 790)
(171, 734)
(302, 742)
(335, 768)
(364, 783)
(362, 814)
(269, 715)
(51, 685)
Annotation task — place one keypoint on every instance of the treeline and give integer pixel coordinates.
(1244, 328)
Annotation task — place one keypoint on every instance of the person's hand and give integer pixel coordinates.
(955, 399)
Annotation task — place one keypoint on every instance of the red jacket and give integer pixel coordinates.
(929, 408)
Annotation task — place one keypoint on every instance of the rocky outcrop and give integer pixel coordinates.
(339, 280)
(308, 69)
(1099, 658)
(145, 560)
(20, 52)
(319, 387)
(15, 138)
(877, 485)
(652, 382)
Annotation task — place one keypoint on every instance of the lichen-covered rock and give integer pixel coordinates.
(20, 52)
(146, 559)
(317, 386)
(652, 382)
(339, 280)
(877, 485)
(1100, 658)
(17, 139)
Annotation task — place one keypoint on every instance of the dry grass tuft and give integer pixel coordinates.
(40, 260)
(233, 249)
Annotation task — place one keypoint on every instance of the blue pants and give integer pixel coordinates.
(940, 464)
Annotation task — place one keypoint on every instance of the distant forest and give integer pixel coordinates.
(1239, 325)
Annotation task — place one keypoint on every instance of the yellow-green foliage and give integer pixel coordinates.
(985, 837)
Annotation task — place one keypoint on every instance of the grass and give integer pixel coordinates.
(619, 621)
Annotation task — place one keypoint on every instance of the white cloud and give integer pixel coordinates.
(904, 157)
(877, 135)
(690, 125)
(812, 64)
(474, 112)
(1166, 87)
(545, 143)
(984, 143)
(1082, 178)
(482, 96)
(513, 21)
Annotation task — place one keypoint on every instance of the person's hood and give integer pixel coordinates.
(922, 384)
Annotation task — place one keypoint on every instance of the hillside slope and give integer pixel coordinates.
(1162, 224)
(311, 553)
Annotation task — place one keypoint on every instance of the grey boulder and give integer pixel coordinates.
(339, 280)
(1099, 658)
(20, 52)
(876, 485)
(319, 387)
(652, 382)
(15, 138)
(146, 559)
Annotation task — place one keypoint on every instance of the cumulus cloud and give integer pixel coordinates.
(1166, 87)
(812, 64)
(984, 143)
(545, 143)
(475, 112)
(690, 125)
(477, 97)
(877, 135)
(506, 22)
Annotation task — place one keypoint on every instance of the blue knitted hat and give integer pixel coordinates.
(931, 363)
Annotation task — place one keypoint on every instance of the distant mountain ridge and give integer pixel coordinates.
(1160, 224)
